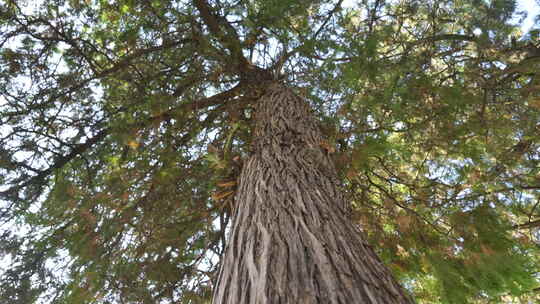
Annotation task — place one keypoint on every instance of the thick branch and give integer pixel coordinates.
(227, 36)
(223, 31)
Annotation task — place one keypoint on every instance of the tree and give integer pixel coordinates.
(133, 131)
(291, 240)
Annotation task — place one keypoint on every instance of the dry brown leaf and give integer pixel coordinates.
(404, 222)
(226, 184)
(221, 195)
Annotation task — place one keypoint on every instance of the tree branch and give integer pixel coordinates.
(531, 224)
(223, 31)
(79, 149)
(442, 37)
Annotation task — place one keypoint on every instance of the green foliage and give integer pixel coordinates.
(123, 125)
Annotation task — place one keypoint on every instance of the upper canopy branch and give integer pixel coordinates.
(223, 31)
(228, 37)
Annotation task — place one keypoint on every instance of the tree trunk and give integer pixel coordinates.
(291, 239)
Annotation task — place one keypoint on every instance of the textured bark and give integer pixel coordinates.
(291, 240)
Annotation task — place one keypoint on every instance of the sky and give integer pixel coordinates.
(532, 7)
